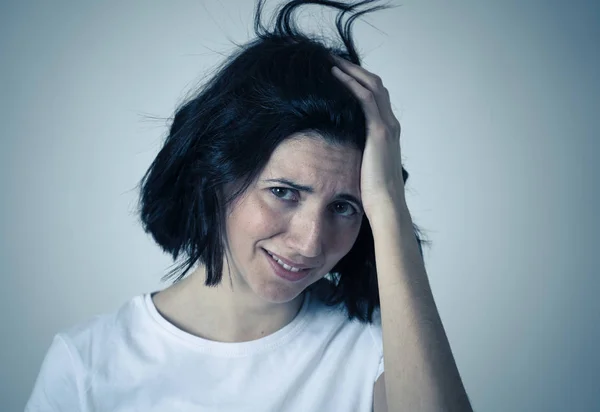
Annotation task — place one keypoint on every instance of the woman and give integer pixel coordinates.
(284, 175)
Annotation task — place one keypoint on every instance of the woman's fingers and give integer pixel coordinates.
(366, 78)
(365, 96)
(368, 86)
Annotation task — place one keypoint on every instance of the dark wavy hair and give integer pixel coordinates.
(277, 85)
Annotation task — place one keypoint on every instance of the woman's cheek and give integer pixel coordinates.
(270, 216)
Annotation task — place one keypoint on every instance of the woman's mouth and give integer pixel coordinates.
(283, 270)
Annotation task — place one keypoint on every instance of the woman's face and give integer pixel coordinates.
(312, 226)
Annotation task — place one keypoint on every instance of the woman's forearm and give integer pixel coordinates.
(420, 371)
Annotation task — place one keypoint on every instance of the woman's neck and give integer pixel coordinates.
(220, 313)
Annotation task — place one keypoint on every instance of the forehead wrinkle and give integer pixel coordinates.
(311, 161)
(322, 177)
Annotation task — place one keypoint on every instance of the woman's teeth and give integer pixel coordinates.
(286, 267)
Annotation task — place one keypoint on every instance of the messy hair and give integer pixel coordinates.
(277, 85)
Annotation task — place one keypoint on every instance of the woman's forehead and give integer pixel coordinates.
(311, 145)
(314, 161)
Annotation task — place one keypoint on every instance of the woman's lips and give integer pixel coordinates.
(289, 262)
(281, 272)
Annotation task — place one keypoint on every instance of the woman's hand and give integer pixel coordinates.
(381, 180)
(414, 339)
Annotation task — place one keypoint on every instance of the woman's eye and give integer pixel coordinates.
(340, 208)
(283, 193)
(345, 209)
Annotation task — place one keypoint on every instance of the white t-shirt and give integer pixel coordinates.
(135, 360)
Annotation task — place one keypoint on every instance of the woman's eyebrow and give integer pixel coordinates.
(296, 186)
(309, 189)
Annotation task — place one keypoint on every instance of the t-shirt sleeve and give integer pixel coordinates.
(376, 333)
(379, 369)
(56, 386)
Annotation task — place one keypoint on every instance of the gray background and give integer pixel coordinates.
(499, 106)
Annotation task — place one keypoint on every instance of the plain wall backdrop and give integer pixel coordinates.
(499, 104)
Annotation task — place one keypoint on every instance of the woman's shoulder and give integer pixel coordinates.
(78, 352)
(335, 316)
(102, 327)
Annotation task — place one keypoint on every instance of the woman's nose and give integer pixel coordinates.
(307, 235)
